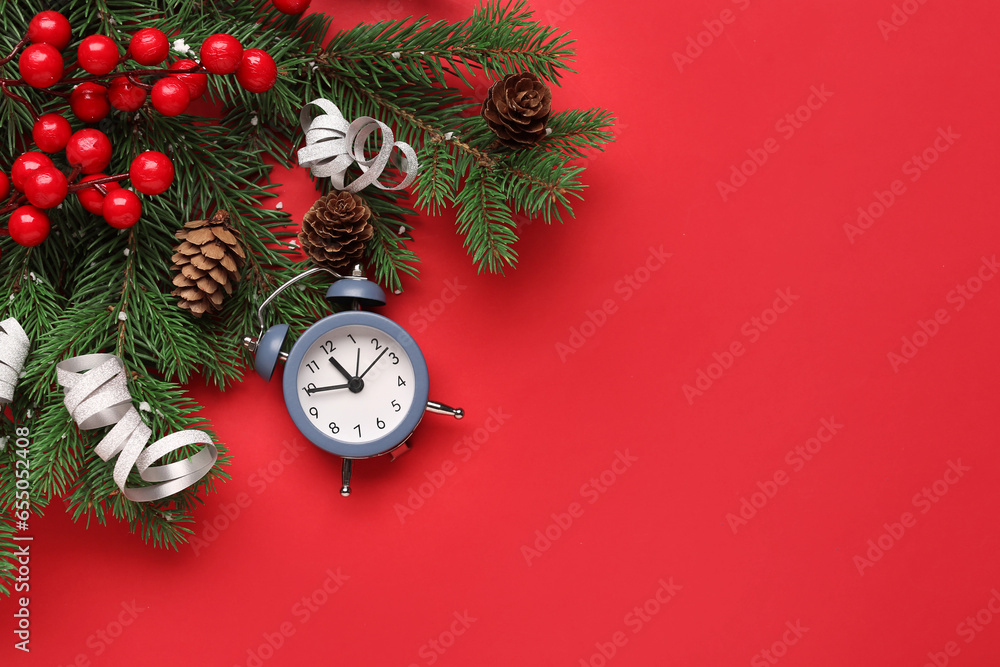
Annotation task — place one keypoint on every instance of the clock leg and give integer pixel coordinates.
(345, 489)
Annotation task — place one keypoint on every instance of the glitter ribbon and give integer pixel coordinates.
(333, 145)
(14, 346)
(97, 395)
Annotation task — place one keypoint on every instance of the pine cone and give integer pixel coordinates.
(335, 229)
(517, 108)
(207, 262)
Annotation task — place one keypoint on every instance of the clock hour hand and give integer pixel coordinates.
(316, 389)
(343, 371)
(372, 364)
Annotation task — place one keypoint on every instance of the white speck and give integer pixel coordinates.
(144, 406)
(421, 53)
(302, 288)
(253, 120)
(122, 317)
(448, 136)
(11, 297)
(29, 413)
(548, 131)
(279, 205)
(398, 291)
(293, 244)
(125, 252)
(180, 46)
(59, 206)
(396, 54)
(137, 117)
(3, 443)
(402, 229)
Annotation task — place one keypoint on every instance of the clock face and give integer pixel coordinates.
(355, 384)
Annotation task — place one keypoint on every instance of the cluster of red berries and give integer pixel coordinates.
(40, 185)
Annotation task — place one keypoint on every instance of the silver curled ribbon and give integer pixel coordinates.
(333, 145)
(97, 395)
(14, 345)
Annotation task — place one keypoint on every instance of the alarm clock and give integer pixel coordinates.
(355, 383)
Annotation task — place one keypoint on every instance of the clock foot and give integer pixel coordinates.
(345, 489)
(442, 409)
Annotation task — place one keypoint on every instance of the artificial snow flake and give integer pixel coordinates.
(122, 316)
(125, 252)
(144, 406)
(396, 54)
(180, 46)
(548, 131)
(253, 120)
(448, 136)
(279, 205)
(402, 229)
(398, 291)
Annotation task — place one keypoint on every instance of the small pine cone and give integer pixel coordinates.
(517, 108)
(335, 230)
(207, 262)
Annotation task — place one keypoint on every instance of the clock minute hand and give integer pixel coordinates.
(343, 371)
(372, 364)
(316, 389)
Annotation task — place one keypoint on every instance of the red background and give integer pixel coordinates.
(495, 347)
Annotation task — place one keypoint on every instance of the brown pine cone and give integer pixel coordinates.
(335, 230)
(517, 108)
(207, 263)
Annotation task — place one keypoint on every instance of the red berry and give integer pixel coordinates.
(257, 71)
(151, 172)
(91, 197)
(89, 148)
(49, 27)
(196, 83)
(291, 6)
(125, 95)
(25, 164)
(98, 54)
(40, 65)
(221, 53)
(122, 208)
(46, 187)
(149, 46)
(4, 186)
(51, 132)
(28, 226)
(89, 102)
(170, 96)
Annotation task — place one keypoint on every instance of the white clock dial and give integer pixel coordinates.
(356, 384)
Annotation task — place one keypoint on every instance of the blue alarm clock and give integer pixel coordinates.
(355, 383)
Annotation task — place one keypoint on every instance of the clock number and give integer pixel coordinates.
(312, 366)
(309, 388)
(396, 406)
(314, 412)
(379, 423)
(395, 359)
(334, 428)
(400, 382)
(352, 339)
(328, 346)
(359, 429)
(377, 345)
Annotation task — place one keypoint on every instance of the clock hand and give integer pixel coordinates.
(315, 389)
(343, 371)
(374, 362)
(357, 367)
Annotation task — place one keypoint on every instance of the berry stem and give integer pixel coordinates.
(17, 47)
(97, 181)
(18, 98)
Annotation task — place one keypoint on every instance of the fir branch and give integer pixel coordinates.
(484, 218)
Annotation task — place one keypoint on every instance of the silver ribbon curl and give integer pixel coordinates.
(14, 345)
(333, 144)
(97, 395)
